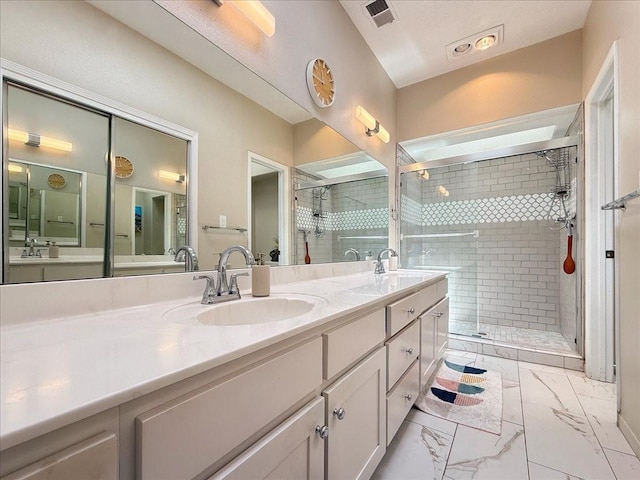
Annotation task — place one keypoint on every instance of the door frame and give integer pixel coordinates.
(284, 194)
(601, 227)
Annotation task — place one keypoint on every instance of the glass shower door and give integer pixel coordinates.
(439, 231)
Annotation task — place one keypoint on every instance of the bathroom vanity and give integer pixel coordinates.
(168, 390)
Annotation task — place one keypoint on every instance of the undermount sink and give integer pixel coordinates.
(249, 310)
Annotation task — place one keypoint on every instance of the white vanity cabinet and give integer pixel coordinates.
(183, 438)
(295, 449)
(356, 414)
(323, 404)
(417, 331)
(95, 458)
(433, 337)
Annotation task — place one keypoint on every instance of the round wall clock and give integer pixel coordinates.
(55, 180)
(124, 167)
(321, 83)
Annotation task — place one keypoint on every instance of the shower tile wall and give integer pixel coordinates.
(354, 209)
(360, 210)
(517, 257)
(320, 249)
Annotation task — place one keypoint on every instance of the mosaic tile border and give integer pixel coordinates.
(516, 208)
(347, 220)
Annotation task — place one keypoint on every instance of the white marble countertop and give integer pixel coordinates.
(55, 372)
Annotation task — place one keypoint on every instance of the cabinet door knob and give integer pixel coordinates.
(411, 310)
(339, 412)
(408, 396)
(437, 314)
(408, 350)
(322, 431)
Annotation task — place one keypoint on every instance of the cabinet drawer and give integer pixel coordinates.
(442, 287)
(402, 350)
(401, 313)
(96, 458)
(400, 400)
(292, 450)
(346, 344)
(184, 437)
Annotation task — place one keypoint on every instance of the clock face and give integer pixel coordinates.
(124, 167)
(55, 180)
(320, 82)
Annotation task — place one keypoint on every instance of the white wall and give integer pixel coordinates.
(607, 22)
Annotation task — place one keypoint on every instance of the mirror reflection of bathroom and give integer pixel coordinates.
(57, 191)
(341, 209)
(267, 204)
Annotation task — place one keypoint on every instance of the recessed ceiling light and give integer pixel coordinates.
(462, 49)
(485, 42)
(465, 48)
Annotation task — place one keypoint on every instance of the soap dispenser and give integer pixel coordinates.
(260, 278)
(54, 250)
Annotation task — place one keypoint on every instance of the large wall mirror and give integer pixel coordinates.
(55, 208)
(232, 112)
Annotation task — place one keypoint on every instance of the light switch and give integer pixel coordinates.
(223, 221)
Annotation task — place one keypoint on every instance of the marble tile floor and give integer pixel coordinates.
(514, 336)
(557, 424)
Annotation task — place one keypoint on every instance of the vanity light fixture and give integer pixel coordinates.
(373, 125)
(36, 140)
(256, 12)
(15, 168)
(176, 177)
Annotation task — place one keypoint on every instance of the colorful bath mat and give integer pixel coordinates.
(467, 395)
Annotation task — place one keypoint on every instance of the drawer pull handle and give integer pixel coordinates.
(408, 396)
(411, 310)
(339, 412)
(322, 431)
(408, 350)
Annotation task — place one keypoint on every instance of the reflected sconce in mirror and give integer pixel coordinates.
(443, 191)
(15, 168)
(36, 140)
(176, 177)
(256, 12)
(373, 125)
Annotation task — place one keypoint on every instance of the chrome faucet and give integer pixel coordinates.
(223, 286)
(223, 290)
(379, 267)
(187, 255)
(355, 252)
(31, 243)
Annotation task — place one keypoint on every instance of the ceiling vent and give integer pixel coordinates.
(380, 12)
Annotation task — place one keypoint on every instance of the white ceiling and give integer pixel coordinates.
(412, 48)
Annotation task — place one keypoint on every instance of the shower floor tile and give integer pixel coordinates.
(522, 337)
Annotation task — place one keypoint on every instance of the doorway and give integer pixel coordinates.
(269, 194)
(601, 297)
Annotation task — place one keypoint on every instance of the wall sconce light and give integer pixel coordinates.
(35, 140)
(373, 125)
(15, 168)
(176, 177)
(424, 174)
(256, 12)
(443, 191)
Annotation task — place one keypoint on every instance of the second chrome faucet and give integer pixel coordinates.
(224, 290)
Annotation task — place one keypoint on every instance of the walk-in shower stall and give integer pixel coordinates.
(502, 228)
